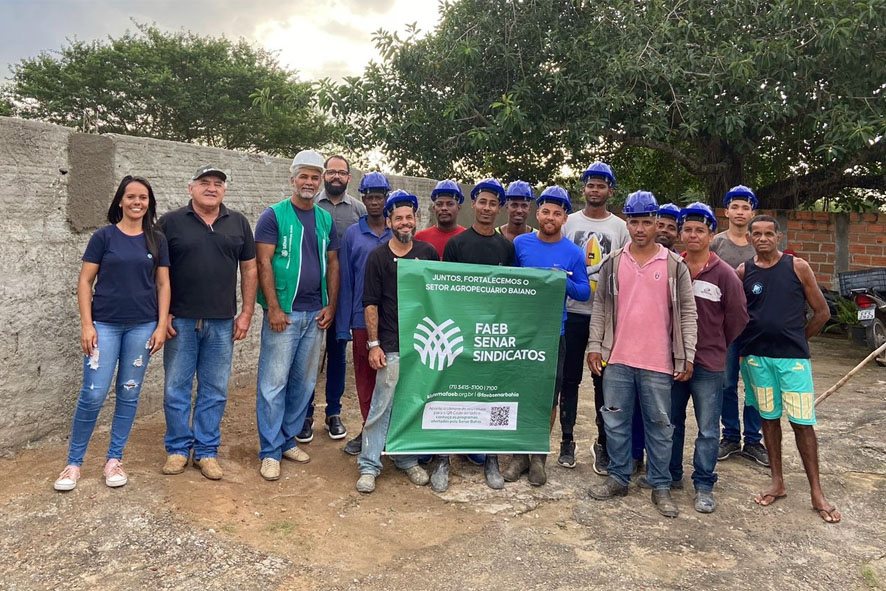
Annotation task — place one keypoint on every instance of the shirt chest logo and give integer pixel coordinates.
(757, 288)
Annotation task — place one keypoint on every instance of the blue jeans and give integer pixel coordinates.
(621, 385)
(118, 344)
(201, 348)
(375, 431)
(706, 390)
(287, 373)
(731, 425)
(336, 368)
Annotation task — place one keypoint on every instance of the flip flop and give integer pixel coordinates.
(761, 496)
(830, 513)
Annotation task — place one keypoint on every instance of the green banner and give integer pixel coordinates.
(478, 358)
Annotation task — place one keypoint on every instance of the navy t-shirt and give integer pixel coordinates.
(308, 297)
(125, 291)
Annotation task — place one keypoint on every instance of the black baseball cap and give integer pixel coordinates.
(209, 170)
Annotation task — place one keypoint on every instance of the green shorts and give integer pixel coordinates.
(770, 382)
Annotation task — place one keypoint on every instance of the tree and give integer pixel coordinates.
(786, 96)
(173, 86)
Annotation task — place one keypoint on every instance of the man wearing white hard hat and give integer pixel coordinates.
(297, 255)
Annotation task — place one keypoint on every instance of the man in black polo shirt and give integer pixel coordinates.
(207, 244)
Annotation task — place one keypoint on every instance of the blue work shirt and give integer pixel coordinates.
(358, 241)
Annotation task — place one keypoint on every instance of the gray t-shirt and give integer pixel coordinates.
(345, 213)
(597, 239)
(729, 251)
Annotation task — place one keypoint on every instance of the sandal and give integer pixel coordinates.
(830, 515)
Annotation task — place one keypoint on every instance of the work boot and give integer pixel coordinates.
(417, 475)
(518, 467)
(175, 464)
(493, 476)
(607, 490)
(537, 475)
(440, 475)
(366, 483)
(210, 468)
(661, 498)
(704, 501)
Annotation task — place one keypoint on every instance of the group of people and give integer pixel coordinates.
(654, 327)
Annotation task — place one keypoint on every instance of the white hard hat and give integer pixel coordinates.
(307, 159)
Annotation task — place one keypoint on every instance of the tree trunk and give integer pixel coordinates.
(715, 150)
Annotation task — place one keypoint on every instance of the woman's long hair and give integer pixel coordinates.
(115, 214)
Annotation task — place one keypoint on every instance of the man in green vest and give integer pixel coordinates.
(297, 256)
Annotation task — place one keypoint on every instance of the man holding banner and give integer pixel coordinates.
(380, 301)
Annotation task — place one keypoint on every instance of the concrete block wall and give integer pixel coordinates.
(55, 188)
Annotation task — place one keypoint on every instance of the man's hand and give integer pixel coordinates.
(595, 363)
(325, 317)
(278, 319)
(241, 326)
(170, 331)
(377, 359)
(683, 376)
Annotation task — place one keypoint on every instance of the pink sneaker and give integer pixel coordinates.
(114, 474)
(67, 480)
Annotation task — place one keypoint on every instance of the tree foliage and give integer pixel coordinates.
(173, 86)
(693, 95)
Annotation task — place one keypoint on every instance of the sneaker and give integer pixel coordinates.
(307, 431)
(366, 483)
(607, 490)
(335, 428)
(727, 448)
(567, 454)
(601, 459)
(67, 480)
(354, 446)
(417, 475)
(210, 468)
(175, 464)
(704, 501)
(297, 455)
(661, 498)
(114, 474)
(756, 452)
(270, 469)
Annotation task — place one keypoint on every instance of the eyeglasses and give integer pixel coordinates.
(341, 173)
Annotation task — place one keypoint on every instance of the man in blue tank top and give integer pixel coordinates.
(775, 354)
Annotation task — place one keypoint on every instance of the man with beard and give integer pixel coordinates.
(447, 198)
(359, 240)
(643, 327)
(297, 255)
(667, 231)
(345, 211)
(597, 232)
(734, 247)
(549, 249)
(479, 245)
(518, 198)
(382, 328)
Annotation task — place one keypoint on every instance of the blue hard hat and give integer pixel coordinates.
(600, 169)
(374, 181)
(694, 211)
(400, 197)
(557, 195)
(740, 192)
(448, 187)
(519, 190)
(640, 203)
(669, 210)
(491, 185)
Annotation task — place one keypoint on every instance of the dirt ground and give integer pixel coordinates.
(312, 530)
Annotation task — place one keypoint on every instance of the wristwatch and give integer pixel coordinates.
(371, 344)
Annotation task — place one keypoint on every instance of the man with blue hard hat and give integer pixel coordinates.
(549, 249)
(667, 231)
(359, 240)
(643, 327)
(518, 198)
(382, 328)
(733, 246)
(597, 232)
(447, 198)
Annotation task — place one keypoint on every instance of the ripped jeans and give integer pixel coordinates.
(621, 386)
(125, 345)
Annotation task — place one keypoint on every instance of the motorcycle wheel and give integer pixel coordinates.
(875, 336)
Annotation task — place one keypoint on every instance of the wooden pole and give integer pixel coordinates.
(844, 379)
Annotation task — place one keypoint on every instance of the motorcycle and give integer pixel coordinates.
(868, 290)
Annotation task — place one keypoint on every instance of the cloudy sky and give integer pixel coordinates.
(317, 38)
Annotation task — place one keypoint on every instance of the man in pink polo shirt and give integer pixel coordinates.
(643, 327)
